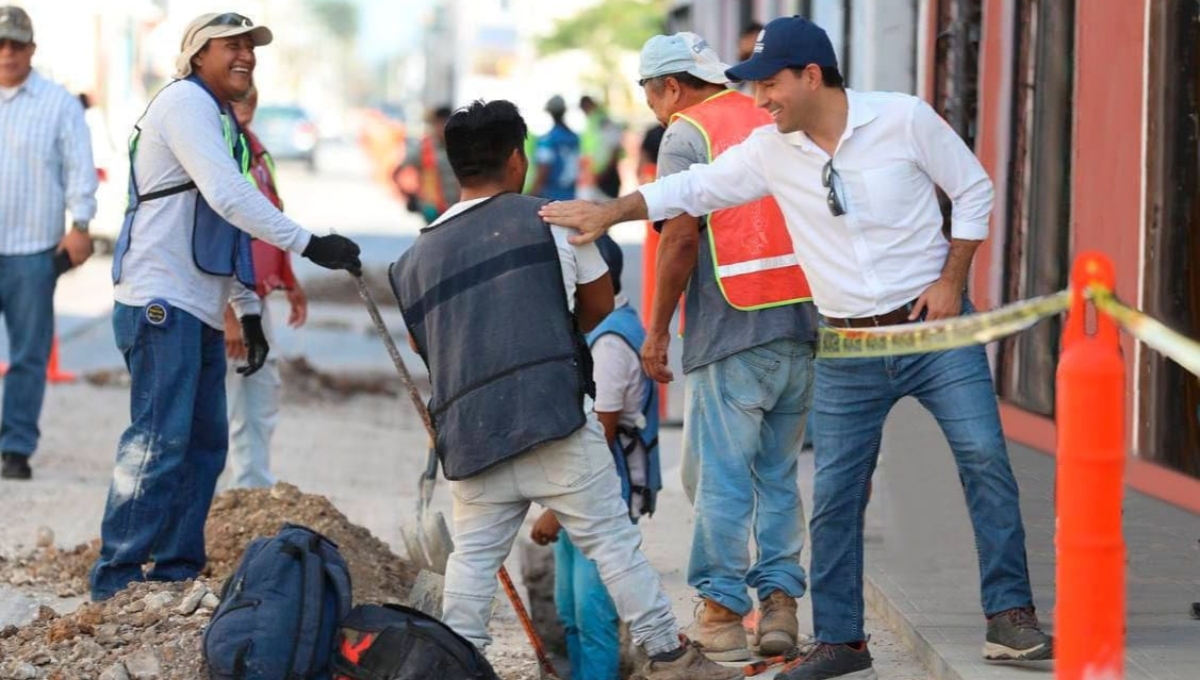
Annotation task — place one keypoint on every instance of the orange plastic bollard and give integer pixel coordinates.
(649, 272)
(1090, 612)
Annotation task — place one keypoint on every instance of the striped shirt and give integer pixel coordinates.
(46, 166)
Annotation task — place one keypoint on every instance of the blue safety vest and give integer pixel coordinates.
(218, 247)
(625, 324)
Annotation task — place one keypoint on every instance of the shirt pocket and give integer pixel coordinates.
(893, 191)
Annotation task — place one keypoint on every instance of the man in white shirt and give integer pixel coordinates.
(185, 238)
(854, 173)
(46, 169)
(495, 300)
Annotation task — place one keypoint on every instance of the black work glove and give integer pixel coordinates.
(334, 252)
(256, 344)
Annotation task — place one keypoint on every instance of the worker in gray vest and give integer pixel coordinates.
(496, 301)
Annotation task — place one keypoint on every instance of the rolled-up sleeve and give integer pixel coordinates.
(734, 178)
(952, 166)
(78, 168)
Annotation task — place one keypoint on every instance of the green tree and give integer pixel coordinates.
(339, 17)
(604, 31)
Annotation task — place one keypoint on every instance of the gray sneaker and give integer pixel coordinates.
(1014, 635)
(824, 661)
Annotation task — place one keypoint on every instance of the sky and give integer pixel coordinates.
(390, 26)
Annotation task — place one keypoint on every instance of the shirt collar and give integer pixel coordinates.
(619, 301)
(32, 84)
(859, 113)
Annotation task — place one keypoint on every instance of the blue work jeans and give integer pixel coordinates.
(27, 302)
(587, 614)
(169, 459)
(743, 424)
(853, 397)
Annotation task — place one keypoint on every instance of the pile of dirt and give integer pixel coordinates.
(341, 289)
(236, 517)
(302, 382)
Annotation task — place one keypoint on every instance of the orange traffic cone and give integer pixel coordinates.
(53, 373)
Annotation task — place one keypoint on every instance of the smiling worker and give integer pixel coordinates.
(185, 239)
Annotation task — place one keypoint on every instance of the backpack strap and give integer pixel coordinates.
(312, 599)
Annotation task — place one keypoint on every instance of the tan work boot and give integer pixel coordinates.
(778, 629)
(718, 632)
(692, 665)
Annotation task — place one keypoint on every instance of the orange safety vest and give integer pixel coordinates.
(756, 265)
(431, 190)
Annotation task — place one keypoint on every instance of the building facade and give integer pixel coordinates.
(1084, 114)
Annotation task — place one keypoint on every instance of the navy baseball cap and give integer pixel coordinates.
(786, 42)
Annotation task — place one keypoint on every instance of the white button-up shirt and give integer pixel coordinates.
(888, 247)
(46, 166)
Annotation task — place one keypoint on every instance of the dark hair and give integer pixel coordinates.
(752, 27)
(442, 113)
(481, 137)
(585, 102)
(685, 79)
(613, 257)
(830, 75)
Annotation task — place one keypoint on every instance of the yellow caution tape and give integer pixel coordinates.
(1175, 346)
(936, 336)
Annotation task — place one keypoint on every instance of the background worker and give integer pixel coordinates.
(425, 177)
(855, 174)
(185, 240)
(626, 405)
(253, 399)
(556, 157)
(748, 349)
(46, 170)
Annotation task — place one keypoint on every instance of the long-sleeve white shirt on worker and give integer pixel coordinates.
(182, 140)
(888, 247)
(46, 166)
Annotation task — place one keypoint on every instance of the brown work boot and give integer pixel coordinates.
(691, 664)
(718, 632)
(778, 629)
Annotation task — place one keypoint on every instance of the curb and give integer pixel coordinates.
(876, 598)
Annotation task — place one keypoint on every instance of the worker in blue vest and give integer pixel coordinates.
(183, 253)
(627, 406)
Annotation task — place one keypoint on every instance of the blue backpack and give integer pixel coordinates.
(280, 610)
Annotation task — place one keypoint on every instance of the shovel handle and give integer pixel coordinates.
(547, 668)
(394, 353)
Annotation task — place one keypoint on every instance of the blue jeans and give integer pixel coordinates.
(853, 397)
(743, 424)
(27, 302)
(587, 614)
(169, 459)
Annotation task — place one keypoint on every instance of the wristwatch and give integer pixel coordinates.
(80, 226)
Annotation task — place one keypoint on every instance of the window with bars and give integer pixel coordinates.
(1170, 396)
(1037, 243)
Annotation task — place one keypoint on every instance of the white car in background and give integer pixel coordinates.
(112, 169)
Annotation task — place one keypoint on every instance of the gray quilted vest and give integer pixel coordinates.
(483, 298)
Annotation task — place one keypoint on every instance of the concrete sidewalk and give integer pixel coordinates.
(922, 570)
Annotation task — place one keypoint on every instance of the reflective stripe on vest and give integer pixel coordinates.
(755, 261)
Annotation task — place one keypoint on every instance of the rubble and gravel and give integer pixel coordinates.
(152, 630)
